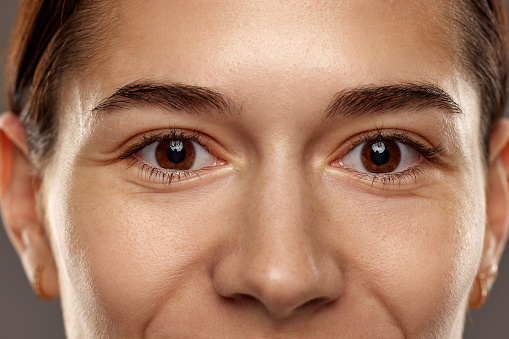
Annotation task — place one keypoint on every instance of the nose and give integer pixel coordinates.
(278, 260)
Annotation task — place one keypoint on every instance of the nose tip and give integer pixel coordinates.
(278, 287)
(285, 291)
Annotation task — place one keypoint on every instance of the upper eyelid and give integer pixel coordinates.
(404, 137)
(149, 138)
(381, 134)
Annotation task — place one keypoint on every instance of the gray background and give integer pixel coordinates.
(22, 315)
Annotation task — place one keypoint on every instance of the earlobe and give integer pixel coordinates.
(19, 211)
(497, 211)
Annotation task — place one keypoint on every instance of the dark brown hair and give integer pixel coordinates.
(483, 52)
(54, 36)
(50, 38)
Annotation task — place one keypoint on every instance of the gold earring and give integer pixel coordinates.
(481, 278)
(483, 285)
(36, 285)
(493, 271)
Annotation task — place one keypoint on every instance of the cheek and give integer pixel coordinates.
(416, 254)
(129, 253)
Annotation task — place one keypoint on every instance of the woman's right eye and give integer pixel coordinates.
(176, 155)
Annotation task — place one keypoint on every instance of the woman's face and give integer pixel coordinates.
(335, 189)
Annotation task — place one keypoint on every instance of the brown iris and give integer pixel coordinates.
(381, 156)
(175, 154)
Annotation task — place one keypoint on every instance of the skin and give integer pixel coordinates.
(278, 239)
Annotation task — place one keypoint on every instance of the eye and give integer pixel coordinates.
(177, 155)
(380, 156)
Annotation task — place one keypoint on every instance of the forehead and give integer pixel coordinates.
(216, 42)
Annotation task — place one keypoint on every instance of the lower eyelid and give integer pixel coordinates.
(154, 175)
(160, 176)
(396, 180)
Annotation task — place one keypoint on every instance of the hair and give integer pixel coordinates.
(52, 37)
(483, 52)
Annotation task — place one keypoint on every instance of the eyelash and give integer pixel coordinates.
(156, 174)
(431, 154)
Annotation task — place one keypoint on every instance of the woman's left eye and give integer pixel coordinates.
(177, 155)
(380, 156)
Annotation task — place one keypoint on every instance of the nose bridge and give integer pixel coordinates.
(279, 220)
(280, 194)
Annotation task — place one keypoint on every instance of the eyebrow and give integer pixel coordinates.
(370, 100)
(175, 96)
(366, 100)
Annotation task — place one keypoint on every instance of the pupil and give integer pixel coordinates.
(176, 152)
(379, 154)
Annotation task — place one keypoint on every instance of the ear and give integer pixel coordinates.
(497, 207)
(18, 204)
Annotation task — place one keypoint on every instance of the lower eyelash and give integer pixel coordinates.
(394, 178)
(153, 174)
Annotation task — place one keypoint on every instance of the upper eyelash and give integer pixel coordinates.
(431, 153)
(150, 139)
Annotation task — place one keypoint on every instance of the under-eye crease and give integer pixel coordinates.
(426, 154)
(175, 140)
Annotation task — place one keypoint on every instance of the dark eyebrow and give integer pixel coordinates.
(174, 96)
(379, 99)
(364, 100)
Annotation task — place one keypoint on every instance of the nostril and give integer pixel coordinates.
(310, 306)
(243, 297)
(244, 300)
(314, 303)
